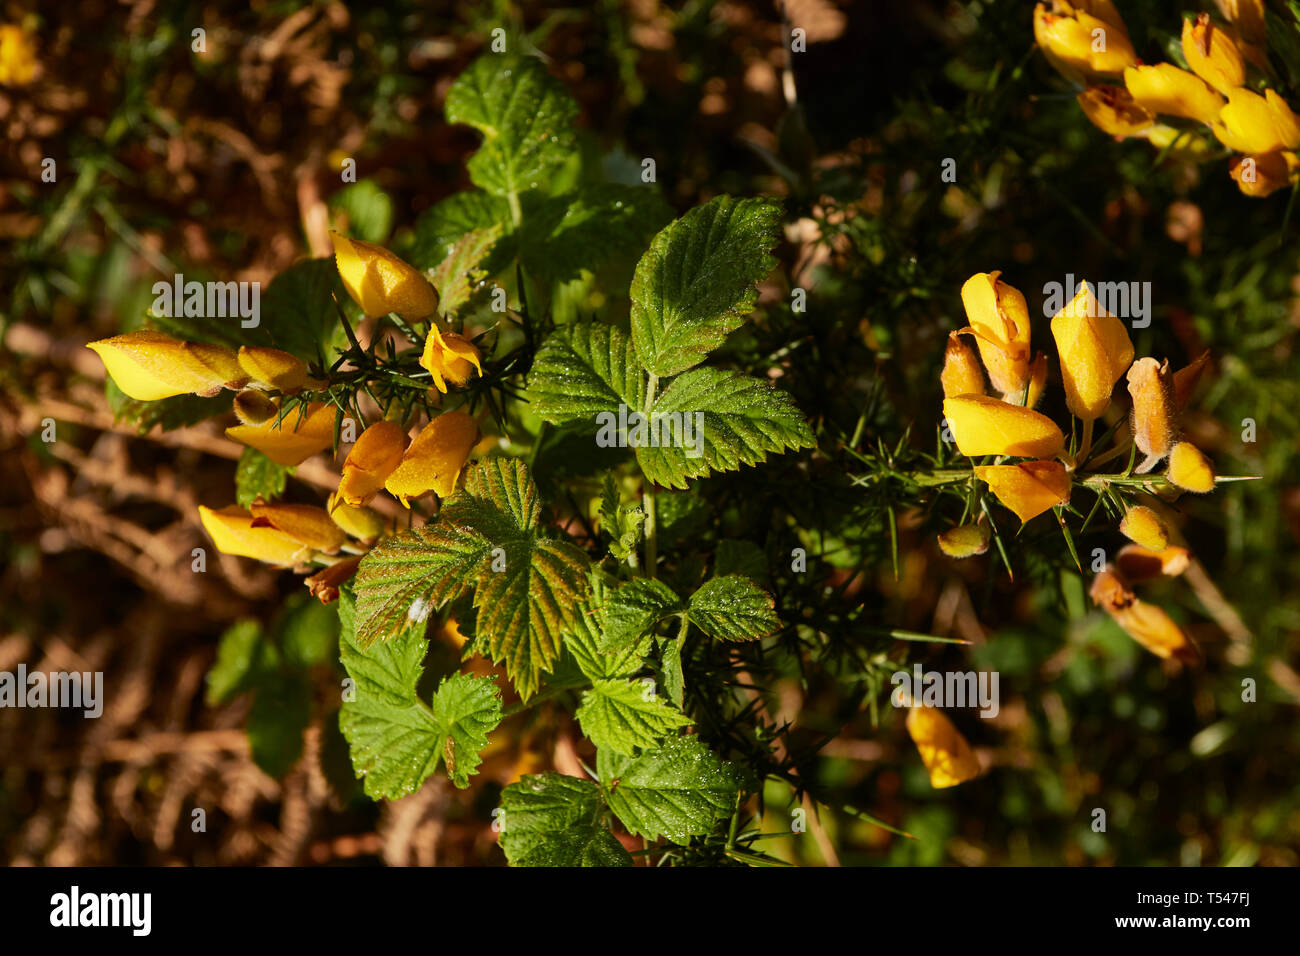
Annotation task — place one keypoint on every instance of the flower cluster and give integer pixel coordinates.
(1086, 42)
(149, 365)
(1095, 352)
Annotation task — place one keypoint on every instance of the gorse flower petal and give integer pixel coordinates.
(435, 458)
(293, 439)
(961, 373)
(1084, 40)
(1212, 54)
(944, 751)
(372, 459)
(324, 584)
(985, 426)
(1155, 411)
(253, 406)
(306, 524)
(273, 367)
(1266, 173)
(1113, 110)
(149, 365)
(1165, 88)
(1189, 469)
(1029, 488)
(964, 541)
(233, 532)
(1255, 124)
(1146, 623)
(1143, 526)
(450, 358)
(380, 282)
(1137, 563)
(1095, 351)
(364, 524)
(999, 320)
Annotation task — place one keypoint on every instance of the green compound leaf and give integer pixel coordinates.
(257, 476)
(731, 420)
(396, 741)
(733, 608)
(553, 820)
(678, 791)
(488, 537)
(526, 118)
(584, 369)
(625, 716)
(697, 281)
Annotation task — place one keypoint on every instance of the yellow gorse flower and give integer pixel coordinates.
(293, 439)
(1029, 488)
(374, 457)
(309, 525)
(233, 532)
(1266, 173)
(1084, 40)
(381, 282)
(985, 426)
(1253, 124)
(1164, 88)
(964, 541)
(449, 357)
(364, 524)
(1095, 351)
(1143, 526)
(1189, 469)
(999, 321)
(944, 751)
(149, 365)
(1155, 412)
(1146, 623)
(273, 367)
(961, 373)
(1212, 54)
(1113, 109)
(435, 459)
(1137, 563)
(17, 56)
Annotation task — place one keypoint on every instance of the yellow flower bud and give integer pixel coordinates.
(1212, 54)
(435, 458)
(1095, 351)
(308, 525)
(985, 426)
(1144, 526)
(961, 373)
(999, 321)
(17, 56)
(964, 541)
(1137, 563)
(253, 407)
(364, 524)
(1164, 88)
(1113, 110)
(1189, 469)
(324, 584)
(449, 358)
(273, 367)
(372, 459)
(1265, 174)
(1255, 124)
(1037, 380)
(1029, 488)
(1155, 412)
(944, 751)
(1146, 623)
(149, 365)
(293, 439)
(380, 282)
(233, 532)
(1083, 41)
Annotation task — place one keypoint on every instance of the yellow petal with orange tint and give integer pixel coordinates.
(372, 459)
(985, 426)
(307, 524)
(149, 365)
(944, 751)
(1189, 469)
(292, 439)
(1095, 351)
(435, 458)
(381, 282)
(232, 531)
(1029, 488)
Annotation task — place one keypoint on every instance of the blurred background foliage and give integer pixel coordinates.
(224, 163)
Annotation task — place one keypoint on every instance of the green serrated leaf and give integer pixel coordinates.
(678, 791)
(734, 420)
(584, 369)
(583, 640)
(733, 608)
(740, 557)
(526, 118)
(625, 716)
(457, 275)
(489, 537)
(553, 820)
(697, 281)
(280, 713)
(622, 523)
(634, 608)
(242, 655)
(257, 476)
(439, 227)
(297, 310)
(466, 709)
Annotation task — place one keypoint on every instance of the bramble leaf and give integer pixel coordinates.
(257, 476)
(624, 715)
(633, 609)
(733, 608)
(442, 225)
(550, 819)
(583, 369)
(697, 281)
(459, 273)
(740, 420)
